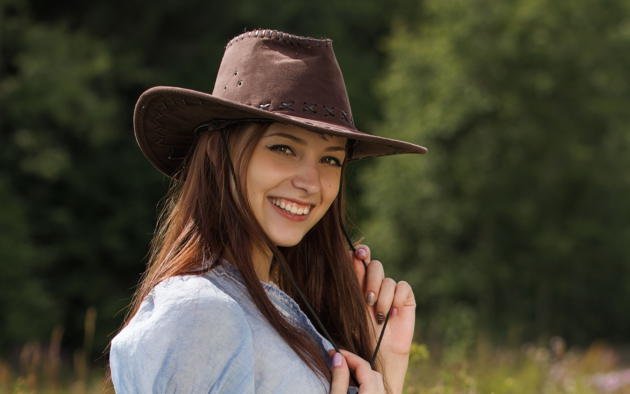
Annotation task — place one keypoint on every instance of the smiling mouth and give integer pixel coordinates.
(291, 207)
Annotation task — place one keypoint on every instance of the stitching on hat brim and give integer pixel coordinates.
(177, 97)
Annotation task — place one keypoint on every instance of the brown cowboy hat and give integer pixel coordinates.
(264, 75)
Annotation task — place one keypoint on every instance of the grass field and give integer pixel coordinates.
(480, 368)
(525, 370)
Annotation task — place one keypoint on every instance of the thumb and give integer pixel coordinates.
(340, 373)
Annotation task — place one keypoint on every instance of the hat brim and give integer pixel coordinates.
(165, 118)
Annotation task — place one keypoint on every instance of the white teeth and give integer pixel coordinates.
(291, 207)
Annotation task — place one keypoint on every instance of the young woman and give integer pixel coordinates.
(252, 284)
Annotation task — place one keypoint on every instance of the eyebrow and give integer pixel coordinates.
(301, 141)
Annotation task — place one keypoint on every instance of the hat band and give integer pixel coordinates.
(219, 124)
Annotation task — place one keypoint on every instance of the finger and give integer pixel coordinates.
(403, 296)
(368, 379)
(340, 374)
(385, 299)
(375, 275)
(359, 271)
(363, 253)
(360, 258)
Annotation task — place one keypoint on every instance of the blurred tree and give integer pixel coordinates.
(25, 304)
(517, 222)
(74, 221)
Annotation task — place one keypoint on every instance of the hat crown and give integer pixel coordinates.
(284, 73)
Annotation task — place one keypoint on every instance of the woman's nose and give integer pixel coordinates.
(307, 178)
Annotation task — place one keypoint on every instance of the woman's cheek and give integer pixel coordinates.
(331, 190)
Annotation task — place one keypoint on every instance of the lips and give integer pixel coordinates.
(294, 206)
(291, 209)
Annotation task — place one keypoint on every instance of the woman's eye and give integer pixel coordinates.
(332, 161)
(281, 148)
(286, 150)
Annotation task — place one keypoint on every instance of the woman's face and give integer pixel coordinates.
(292, 179)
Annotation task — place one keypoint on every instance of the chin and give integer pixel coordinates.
(286, 241)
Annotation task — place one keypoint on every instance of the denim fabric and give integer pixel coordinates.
(204, 334)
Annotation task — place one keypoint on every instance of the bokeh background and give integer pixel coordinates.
(513, 231)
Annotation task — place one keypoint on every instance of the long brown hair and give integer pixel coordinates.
(206, 218)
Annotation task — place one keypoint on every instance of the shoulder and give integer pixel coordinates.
(187, 333)
(193, 293)
(190, 303)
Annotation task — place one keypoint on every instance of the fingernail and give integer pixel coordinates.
(394, 311)
(380, 318)
(362, 252)
(370, 298)
(337, 360)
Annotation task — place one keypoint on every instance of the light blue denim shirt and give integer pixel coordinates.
(204, 334)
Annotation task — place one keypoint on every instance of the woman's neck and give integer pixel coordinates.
(261, 260)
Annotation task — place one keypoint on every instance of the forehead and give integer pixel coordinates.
(305, 134)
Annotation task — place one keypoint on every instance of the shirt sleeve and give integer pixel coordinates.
(187, 337)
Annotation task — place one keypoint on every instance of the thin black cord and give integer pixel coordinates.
(345, 233)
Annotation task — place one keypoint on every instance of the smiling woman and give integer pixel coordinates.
(251, 250)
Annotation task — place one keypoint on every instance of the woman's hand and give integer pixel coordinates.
(385, 295)
(370, 381)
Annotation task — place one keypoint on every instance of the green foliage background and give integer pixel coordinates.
(514, 226)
